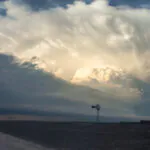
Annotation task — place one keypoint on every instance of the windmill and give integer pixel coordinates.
(97, 107)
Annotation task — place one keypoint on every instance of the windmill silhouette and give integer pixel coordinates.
(97, 107)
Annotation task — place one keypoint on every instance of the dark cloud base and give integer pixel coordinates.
(25, 85)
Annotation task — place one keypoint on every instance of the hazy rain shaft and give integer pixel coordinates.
(97, 45)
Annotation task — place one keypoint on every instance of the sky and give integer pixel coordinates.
(67, 55)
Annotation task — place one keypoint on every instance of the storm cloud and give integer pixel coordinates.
(22, 85)
(63, 41)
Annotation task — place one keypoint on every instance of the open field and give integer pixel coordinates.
(81, 135)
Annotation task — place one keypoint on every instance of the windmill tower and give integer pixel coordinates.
(97, 107)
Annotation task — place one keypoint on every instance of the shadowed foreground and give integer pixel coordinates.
(107, 136)
(8, 142)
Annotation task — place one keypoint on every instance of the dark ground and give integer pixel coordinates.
(84, 136)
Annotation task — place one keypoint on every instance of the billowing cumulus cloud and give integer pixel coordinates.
(66, 42)
(108, 79)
